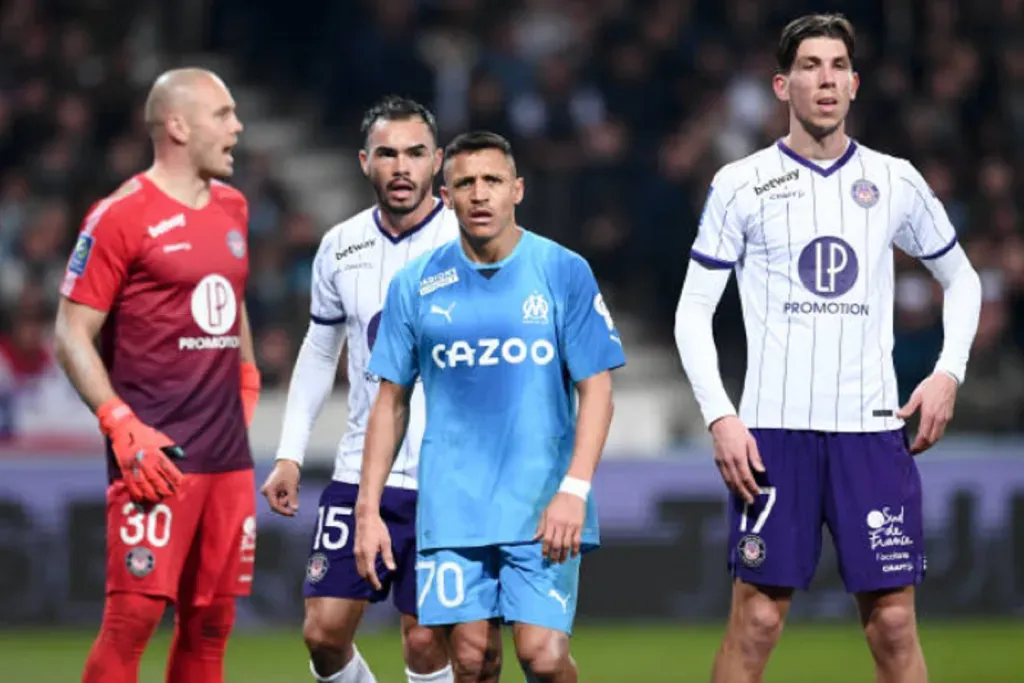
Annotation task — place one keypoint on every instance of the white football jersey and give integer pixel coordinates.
(812, 249)
(353, 267)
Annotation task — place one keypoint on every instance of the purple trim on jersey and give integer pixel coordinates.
(940, 252)
(709, 261)
(807, 163)
(395, 239)
(330, 322)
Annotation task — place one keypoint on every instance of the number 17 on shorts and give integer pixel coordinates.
(751, 548)
(775, 540)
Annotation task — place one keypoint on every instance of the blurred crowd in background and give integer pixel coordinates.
(620, 112)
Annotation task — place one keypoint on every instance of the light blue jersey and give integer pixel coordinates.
(499, 348)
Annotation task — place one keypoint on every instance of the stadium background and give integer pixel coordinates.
(620, 112)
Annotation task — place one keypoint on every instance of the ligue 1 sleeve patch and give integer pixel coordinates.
(80, 256)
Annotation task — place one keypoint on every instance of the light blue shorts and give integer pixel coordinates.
(510, 582)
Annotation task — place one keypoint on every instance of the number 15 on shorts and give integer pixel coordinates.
(332, 529)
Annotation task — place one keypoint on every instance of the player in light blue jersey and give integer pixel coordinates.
(504, 328)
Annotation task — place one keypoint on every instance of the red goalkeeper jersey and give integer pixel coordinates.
(172, 281)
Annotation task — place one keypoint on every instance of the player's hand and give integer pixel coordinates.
(737, 457)
(281, 488)
(142, 453)
(372, 540)
(561, 527)
(935, 397)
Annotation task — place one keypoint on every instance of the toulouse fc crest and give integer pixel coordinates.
(236, 244)
(751, 550)
(316, 568)
(139, 561)
(865, 193)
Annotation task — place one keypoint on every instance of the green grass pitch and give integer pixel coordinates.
(969, 652)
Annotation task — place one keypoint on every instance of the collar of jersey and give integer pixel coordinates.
(851, 149)
(395, 239)
(497, 264)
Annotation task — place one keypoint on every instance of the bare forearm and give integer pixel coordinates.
(247, 348)
(384, 434)
(84, 368)
(592, 425)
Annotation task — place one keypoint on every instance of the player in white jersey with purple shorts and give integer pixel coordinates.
(809, 225)
(351, 273)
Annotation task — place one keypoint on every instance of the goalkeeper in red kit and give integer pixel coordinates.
(158, 276)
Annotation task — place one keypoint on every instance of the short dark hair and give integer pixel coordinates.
(395, 108)
(477, 141)
(813, 26)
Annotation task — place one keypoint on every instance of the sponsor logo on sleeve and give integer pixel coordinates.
(80, 255)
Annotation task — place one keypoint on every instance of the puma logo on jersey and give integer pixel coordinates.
(165, 226)
(446, 312)
(563, 600)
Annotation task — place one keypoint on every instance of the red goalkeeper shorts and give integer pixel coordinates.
(195, 546)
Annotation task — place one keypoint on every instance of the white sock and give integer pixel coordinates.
(356, 671)
(445, 675)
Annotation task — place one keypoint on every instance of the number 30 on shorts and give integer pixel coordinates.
(446, 579)
(761, 518)
(153, 527)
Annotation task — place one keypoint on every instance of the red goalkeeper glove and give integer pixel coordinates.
(141, 453)
(250, 390)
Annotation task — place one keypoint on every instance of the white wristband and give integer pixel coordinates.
(575, 487)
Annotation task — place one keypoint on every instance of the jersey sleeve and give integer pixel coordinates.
(925, 232)
(326, 307)
(100, 260)
(244, 223)
(394, 351)
(245, 216)
(721, 231)
(590, 342)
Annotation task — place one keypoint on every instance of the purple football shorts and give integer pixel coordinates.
(865, 487)
(331, 567)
